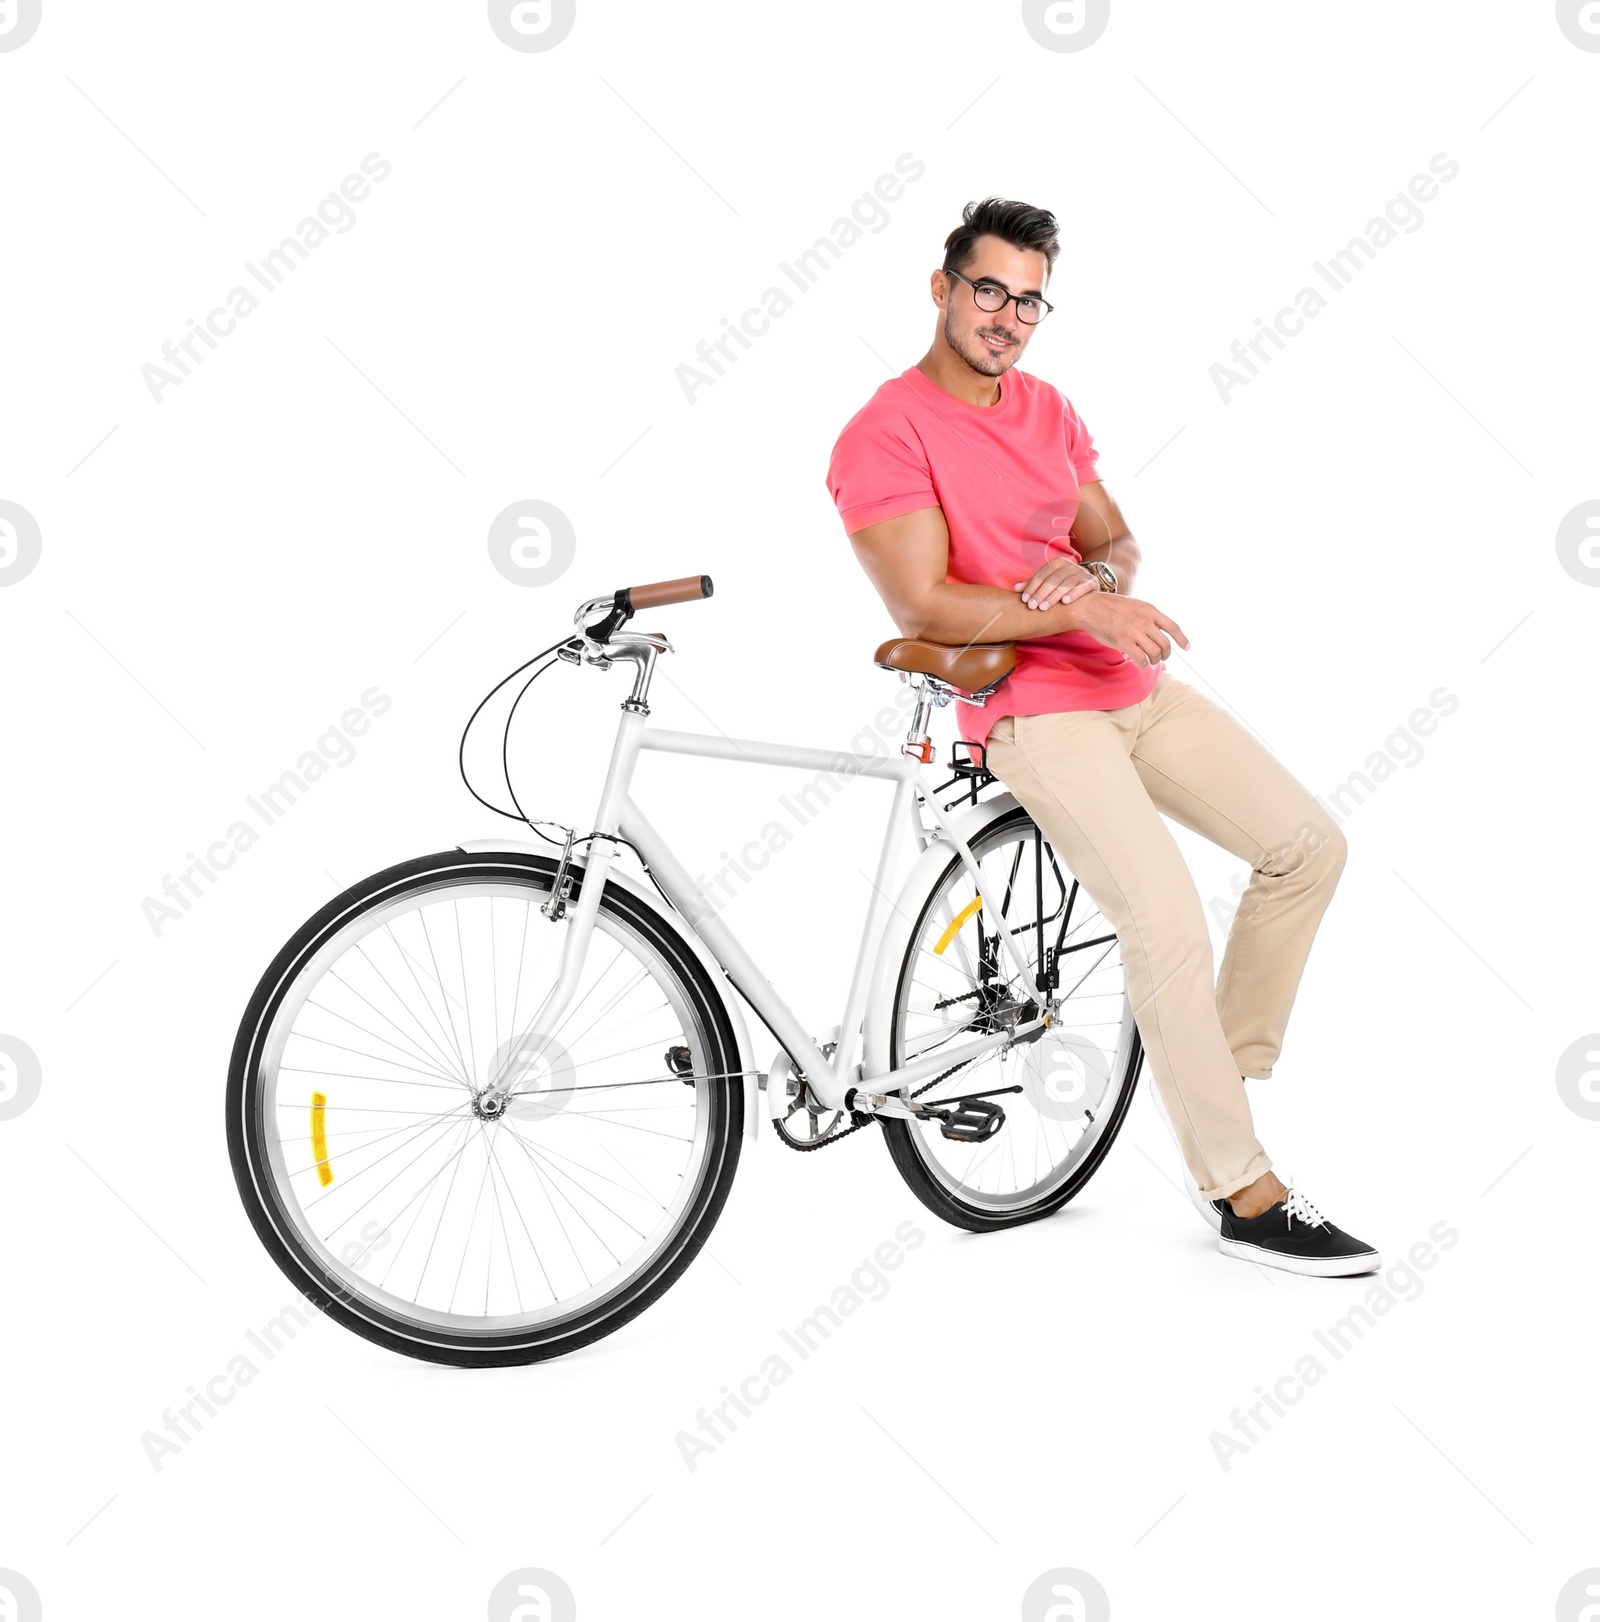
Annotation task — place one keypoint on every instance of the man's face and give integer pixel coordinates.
(992, 342)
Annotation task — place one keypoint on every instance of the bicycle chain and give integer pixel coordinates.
(859, 1118)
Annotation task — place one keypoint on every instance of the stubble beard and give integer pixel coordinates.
(985, 362)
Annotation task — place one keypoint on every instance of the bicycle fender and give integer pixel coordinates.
(754, 1110)
(925, 871)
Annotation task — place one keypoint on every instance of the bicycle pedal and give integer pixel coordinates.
(973, 1120)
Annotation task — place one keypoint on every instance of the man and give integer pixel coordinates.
(970, 493)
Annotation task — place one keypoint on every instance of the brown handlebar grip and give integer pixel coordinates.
(659, 593)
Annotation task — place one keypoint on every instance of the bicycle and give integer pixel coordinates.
(595, 1076)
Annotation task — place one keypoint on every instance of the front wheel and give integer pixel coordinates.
(956, 982)
(441, 1225)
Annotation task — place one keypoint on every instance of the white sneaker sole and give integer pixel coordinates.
(1364, 1261)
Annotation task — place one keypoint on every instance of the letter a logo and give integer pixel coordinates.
(1072, 1610)
(538, 1607)
(1065, 1594)
(19, 1599)
(532, 1594)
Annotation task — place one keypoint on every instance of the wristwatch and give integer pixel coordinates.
(1104, 573)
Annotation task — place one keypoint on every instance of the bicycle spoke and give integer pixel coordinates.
(360, 1053)
(423, 1194)
(418, 1052)
(505, 1236)
(472, 1226)
(528, 1149)
(389, 1081)
(416, 980)
(433, 958)
(543, 1272)
(345, 1182)
(544, 1188)
(411, 1012)
(311, 1002)
(461, 959)
(568, 1177)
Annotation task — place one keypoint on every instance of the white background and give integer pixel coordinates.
(1372, 518)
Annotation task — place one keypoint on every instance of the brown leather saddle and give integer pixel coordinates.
(976, 669)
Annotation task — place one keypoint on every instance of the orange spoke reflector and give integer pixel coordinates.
(956, 922)
(319, 1137)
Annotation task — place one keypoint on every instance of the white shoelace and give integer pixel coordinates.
(1300, 1206)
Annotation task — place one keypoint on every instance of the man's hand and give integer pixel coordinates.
(1056, 580)
(1138, 629)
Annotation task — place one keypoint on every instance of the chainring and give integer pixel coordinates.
(808, 1125)
(858, 1118)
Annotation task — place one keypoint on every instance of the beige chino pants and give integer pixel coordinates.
(1097, 783)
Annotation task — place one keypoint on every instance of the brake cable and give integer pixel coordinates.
(517, 814)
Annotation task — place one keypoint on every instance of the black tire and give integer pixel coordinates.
(902, 1136)
(307, 1271)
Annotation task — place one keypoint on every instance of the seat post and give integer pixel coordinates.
(918, 742)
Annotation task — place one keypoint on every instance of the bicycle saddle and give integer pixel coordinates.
(970, 669)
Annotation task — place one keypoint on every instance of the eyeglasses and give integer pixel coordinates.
(992, 298)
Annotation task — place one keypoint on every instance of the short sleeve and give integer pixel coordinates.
(1080, 447)
(878, 470)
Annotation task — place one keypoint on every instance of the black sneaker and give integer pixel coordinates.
(1296, 1236)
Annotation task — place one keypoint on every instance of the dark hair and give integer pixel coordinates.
(1020, 224)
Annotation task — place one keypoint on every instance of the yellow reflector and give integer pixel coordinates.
(319, 1137)
(956, 922)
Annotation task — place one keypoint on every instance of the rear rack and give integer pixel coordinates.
(972, 770)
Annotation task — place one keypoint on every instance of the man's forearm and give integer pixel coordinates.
(963, 616)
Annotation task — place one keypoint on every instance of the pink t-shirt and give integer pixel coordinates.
(1006, 477)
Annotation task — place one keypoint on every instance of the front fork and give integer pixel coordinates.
(524, 1052)
(640, 648)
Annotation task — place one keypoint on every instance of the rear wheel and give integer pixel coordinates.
(421, 1215)
(1077, 1078)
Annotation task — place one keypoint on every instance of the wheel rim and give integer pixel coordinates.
(1073, 1076)
(378, 1155)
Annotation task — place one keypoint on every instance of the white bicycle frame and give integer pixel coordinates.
(836, 1081)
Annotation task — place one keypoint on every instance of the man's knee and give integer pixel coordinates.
(1318, 850)
(1338, 849)
(1327, 852)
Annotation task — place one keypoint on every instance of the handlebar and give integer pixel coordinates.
(691, 588)
(616, 610)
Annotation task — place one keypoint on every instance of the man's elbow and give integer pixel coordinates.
(916, 619)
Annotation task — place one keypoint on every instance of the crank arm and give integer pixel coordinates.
(900, 1109)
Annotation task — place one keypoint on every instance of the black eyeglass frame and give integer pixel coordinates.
(1010, 298)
